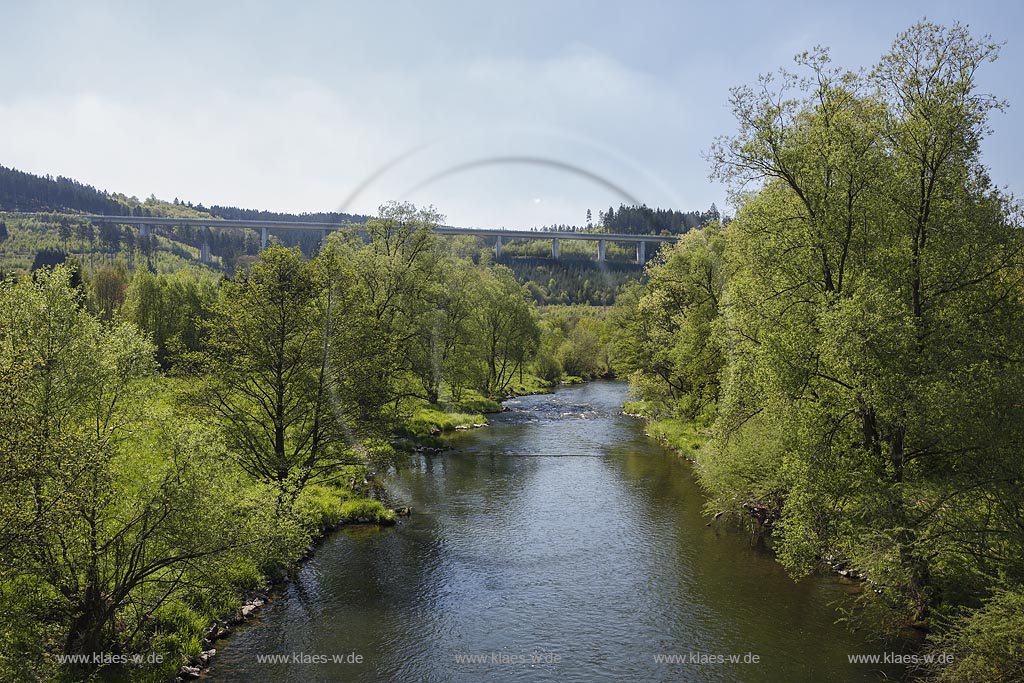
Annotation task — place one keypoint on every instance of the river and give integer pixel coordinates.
(557, 544)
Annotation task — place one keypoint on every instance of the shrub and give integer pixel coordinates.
(985, 644)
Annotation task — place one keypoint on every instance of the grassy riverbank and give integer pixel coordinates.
(684, 436)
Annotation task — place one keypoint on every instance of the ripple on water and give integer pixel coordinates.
(561, 530)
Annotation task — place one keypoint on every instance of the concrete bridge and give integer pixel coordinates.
(147, 223)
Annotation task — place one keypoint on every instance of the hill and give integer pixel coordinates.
(54, 233)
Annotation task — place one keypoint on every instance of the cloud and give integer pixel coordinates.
(301, 144)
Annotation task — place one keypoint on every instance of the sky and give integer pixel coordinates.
(498, 114)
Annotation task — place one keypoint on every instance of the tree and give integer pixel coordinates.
(452, 344)
(102, 518)
(110, 235)
(507, 332)
(108, 285)
(396, 274)
(85, 232)
(872, 322)
(665, 339)
(271, 382)
(64, 232)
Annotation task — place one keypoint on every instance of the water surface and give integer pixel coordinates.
(557, 544)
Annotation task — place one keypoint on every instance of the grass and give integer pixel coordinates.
(685, 436)
(682, 435)
(427, 419)
(475, 402)
(531, 384)
(636, 408)
(366, 509)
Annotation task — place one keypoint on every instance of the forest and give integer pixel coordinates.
(842, 362)
(173, 442)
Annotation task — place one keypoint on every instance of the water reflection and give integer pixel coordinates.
(559, 534)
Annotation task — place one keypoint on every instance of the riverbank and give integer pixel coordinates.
(327, 509)
(684, 436)
(323, 510)
(558, 529)
(424, 421)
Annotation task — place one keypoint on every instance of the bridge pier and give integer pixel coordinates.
(204, 252)
(195, 226)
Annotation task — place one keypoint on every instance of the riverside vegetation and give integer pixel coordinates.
(172, 442)
(843, 362)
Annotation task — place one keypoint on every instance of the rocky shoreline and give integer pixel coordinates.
(255, 600)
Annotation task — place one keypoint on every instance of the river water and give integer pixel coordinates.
(557, 544)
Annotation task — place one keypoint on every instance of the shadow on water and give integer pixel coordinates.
(558, 544)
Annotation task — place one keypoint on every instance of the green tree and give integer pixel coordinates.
(871, 322)
(64, 232)
(107, 287)
(174, 310)
(85, 232)
(506, 330)
(102, 529)
(271, 386)
(396, 273)
(665, 338)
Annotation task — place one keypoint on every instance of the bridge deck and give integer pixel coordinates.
(441, 230)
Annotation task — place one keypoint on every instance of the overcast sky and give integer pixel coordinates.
(341, 106)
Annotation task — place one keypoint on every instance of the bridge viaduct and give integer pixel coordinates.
(147, 223)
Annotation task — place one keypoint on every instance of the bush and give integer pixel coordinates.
(177, 631)
(681, 435)
(985, 644)
(547, 367)
(475, 402)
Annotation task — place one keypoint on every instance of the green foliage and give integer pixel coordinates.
(134, 506)
(684, 437)
(879, 338)
(574, 280)
(177, 630)
(475, 402)
(174, 309)
(273, 386)
(573, 343)
(663, 333)
(853, 337)
(108, 513)
(319, 507)
(984, 644)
